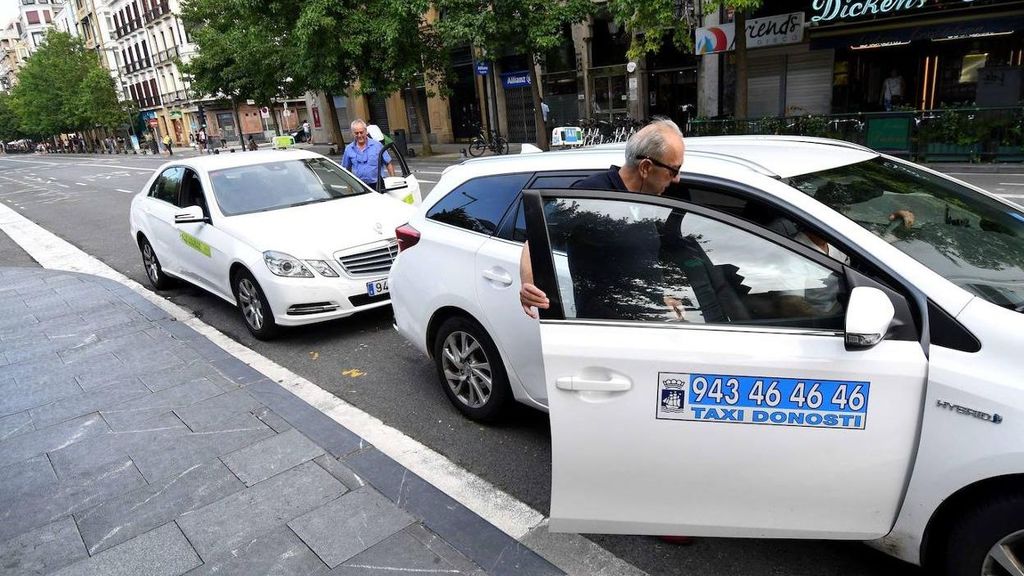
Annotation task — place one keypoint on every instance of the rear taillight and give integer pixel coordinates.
(407, 237)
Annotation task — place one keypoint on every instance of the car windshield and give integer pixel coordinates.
(973, 240)
(275, 185)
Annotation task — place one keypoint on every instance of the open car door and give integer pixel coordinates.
(403, 186)
(709, 377)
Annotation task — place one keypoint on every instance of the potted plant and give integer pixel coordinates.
(951, 136)
(1010, 146)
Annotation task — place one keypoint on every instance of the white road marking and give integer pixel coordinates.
(62, 185)
(117, 166)
(427, 172)
(978, 173)
(1011, 183)
(32, 161)
(125, 191)
(427, 181)
(571, 553)
(1012, 195)
(80, 184)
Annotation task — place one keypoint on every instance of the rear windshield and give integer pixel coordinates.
(974, 241)
(276, 185)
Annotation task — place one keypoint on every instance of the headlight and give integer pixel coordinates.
(284, 265)
(323, 268)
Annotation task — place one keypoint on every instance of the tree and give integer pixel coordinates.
(648, 21)
(97, 98)
(531, 27)
(240, 53)
(10, 127)
(407, 47)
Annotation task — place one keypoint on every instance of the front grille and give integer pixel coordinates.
(375, 262)
(363, 299)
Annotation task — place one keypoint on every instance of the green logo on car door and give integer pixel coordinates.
(196, 244)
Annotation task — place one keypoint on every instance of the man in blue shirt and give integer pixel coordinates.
(362, 157)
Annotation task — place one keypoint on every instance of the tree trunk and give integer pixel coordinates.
(538, 114)
(238, 123)
(332, 116)
(740, 109)
(421, 121)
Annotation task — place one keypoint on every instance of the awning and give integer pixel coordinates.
(964, 29)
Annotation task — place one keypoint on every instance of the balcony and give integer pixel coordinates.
(148, 102)
(174, 97)
(155, 13)
(136, 66)
(165, 56)
(127, 28)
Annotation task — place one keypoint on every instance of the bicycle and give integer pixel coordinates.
(490, 141)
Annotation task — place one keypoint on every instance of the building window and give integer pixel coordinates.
(32, 17)
(47, 16)
(37, 39)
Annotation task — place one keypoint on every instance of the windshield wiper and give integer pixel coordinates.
(305, 202)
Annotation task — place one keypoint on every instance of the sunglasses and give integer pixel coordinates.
(660, 164)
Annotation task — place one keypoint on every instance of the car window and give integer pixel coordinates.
(192, 191)
(514, 226)
(974, 241)
(479, 204)
(623, 260)
(166, 186)
(276, 185)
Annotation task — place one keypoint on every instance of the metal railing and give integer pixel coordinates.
(136, 66)
(148, 102)
(176, 96)
(967, 133)
(156, 12)
(127, 28)
(165, 56)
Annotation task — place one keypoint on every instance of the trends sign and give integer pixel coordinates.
(761, 32)
(836, 10)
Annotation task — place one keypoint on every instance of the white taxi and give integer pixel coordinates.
(289, 236)
(802, 339)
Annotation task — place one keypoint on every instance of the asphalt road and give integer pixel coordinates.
(85, 200)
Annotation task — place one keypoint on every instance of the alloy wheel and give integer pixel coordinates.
(252, 305)
(151, 263)
(1006, 558)
(466, 369)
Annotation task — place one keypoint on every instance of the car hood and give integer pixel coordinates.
(318, 230)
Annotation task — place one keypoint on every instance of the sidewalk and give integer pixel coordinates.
(131, 444)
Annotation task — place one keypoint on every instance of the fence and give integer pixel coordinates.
(946, 134)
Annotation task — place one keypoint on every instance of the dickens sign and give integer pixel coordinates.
(838, 10)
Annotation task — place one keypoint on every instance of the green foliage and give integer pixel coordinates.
(509, 26)
(951, 126)
(649, 21)
(10, 126)
(401, 47)
(242, 50)
(63, 88)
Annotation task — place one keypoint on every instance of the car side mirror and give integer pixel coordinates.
(868, 317)
(190, 215)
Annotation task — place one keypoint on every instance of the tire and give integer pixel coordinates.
(973, 537)
(502, 146)
(477, 147)
(464, 382)
(253, 307)
(154, 271)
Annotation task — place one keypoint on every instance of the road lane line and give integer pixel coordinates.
(80, 184)
(1011, 183)
(571, 553)
(125, 191)
(32, 161)
(1012, 195)
(427, 181)
(62, 185)
(979, 173)
(427, 172)
(117, 166)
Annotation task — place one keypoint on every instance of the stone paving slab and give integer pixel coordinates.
(130, 444)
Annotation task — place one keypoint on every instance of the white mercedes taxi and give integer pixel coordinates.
(288, 236)
(803, 338)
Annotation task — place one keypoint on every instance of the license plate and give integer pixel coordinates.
(377, 287)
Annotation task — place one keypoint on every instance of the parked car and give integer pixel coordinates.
(709, 371)
(289, 236)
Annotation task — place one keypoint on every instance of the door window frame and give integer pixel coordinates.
(544, 268)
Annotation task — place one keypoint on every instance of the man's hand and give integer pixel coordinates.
(676, 305)
(532, 297)
(906, 215)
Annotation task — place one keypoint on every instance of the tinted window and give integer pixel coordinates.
(274, 185)
(166, 186)
(479, 204)
(192, 191)
(618, 260)
(973, 240)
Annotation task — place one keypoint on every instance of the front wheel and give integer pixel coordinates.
(253, 306)
(988, 540)
(471, 370)
(154, 271)
(502, 146)
(477, 147)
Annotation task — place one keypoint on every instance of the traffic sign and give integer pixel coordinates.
(483, 68)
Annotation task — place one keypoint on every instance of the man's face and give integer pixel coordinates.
(359, 133)
(659, 173)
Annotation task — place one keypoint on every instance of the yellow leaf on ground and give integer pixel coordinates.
(353, 373)
(314, 355)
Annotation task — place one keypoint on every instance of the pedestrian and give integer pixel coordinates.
(545, 111)
(252, 144)
(167, 144)
(362, 156)
(892, 90)
(305, 130)
(202, 140)
(654, 158)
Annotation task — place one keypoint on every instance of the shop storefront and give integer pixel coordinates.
(939, 55)
(671, 83)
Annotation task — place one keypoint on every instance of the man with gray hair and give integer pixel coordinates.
(363, 155)
(654, 157)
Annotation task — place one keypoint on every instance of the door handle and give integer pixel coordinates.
(578, 384)
(498, 275)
